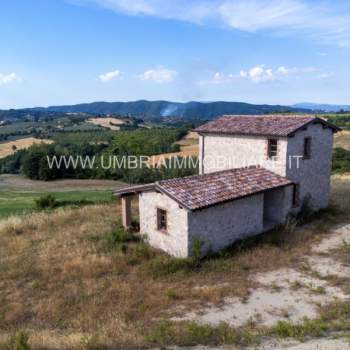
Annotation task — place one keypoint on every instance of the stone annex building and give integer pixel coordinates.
(254, 172)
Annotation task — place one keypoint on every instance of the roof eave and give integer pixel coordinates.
(238, 134)
(241, 197)
(218, 203)
(132, 190)
(316, 120)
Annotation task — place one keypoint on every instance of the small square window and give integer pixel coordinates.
(307, 148)
(162, 222)
(272, 148)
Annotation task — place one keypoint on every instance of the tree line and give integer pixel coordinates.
(33, 162)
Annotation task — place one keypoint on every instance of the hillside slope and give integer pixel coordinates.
(73, 279)
(157, 109)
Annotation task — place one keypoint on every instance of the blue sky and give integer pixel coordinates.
(260, 51)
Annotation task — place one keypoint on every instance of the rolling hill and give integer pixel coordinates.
(158, 109)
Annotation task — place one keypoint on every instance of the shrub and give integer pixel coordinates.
(164, 265)
(143, 251)
(197, 245)
(341, 160)
(346, 246)
(286, 329)
(172, 294)
(19, 341)
(188, 333)
(46, 202)
(120, 235)
(90, 343)
(118, 239)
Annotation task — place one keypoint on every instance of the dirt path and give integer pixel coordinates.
(286, 294)
(315, 344)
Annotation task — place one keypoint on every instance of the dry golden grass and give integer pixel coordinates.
(342, 139)
(188, 148)
(7, 148)
(110, 123)
(60, 280)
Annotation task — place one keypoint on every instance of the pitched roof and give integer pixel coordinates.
(201, 191)
(130, 190)
(269, 125)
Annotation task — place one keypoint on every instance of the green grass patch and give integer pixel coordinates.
(187, 333)
(334, 317)
(16, 202)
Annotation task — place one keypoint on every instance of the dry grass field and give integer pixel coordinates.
(72, 279)
(342, 139)
(10, 147)
(110, 123)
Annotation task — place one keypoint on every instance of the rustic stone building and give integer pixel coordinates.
(254, 171)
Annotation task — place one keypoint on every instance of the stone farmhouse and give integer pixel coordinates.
(254, 172)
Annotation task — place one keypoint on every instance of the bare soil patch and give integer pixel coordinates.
(284, 294)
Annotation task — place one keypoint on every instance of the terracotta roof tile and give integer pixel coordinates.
(195, 192)
(270, 125)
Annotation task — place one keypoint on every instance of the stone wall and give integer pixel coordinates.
(216, 226)
(175, 241)
(219, 226)
(221, 152)
(278, 205)
(313, 174)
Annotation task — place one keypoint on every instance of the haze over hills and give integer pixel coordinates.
(149, 110)
(322, 107)
(158, 109)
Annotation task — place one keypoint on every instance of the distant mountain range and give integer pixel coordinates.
(158, 109)
(149, 110)
(322, 107)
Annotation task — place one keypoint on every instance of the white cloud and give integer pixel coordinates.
(258, 74)
(283, 70)
(9, 78)
(159, 75)
(106, 77)
(325, 20)
(219, 78)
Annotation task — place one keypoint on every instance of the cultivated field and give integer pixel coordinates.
(189, 144)
(342, 139)
(8, 148)
(110, 123)
(18, 194)
(73, 279)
